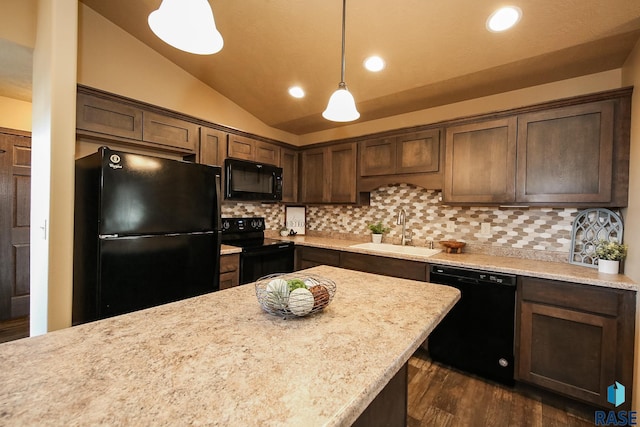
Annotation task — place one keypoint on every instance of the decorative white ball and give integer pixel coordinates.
(278, 294)
(301, 301)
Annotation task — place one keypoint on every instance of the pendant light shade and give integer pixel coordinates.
(187, 25)
(342, 106)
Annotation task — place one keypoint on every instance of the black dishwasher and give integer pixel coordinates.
(477, 335)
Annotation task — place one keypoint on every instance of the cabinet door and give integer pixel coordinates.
(267, 153)
(240, 147)
(212, 146)
(229, 271)
(108, 117)
(575, 339)
(480, 162)
(565, 155)
(314, 182)
(418, 152)
(342, 167)
(169, 131)
(378, 157)
(289, 164)
(568, 351)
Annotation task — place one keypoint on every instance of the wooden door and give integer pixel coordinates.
(314, 181)
(480, 162)
(267, 153)
(289, 164)
(342, 185)
(240, 147)
(565, 154)
(418, 152)
(212, 147)
(568, 351)
(378, 157)
(15, 207)
(169, 131)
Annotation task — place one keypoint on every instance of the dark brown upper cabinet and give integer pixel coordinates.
(565, 153)
(244, 148)
(117, 120)
(480, 162)
(289, 165)
(212, 147)
(328, 174)
(413, 158)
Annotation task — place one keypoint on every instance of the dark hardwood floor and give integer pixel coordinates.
(14, 329)
(443, 396)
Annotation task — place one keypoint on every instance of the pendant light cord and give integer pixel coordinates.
(344, 13)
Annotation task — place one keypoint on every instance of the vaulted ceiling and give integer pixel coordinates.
(437, 52)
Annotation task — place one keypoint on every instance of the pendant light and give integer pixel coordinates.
(342, 106)
(187, 25)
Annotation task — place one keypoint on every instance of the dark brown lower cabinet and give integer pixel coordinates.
(414, 270)
(307, 257)
(575, 339)
(229, 271)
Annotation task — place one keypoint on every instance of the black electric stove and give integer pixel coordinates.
(260, 256)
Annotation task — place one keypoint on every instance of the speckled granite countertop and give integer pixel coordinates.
(218, 359)
(523, 267)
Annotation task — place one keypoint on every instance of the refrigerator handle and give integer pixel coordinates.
(219, 201)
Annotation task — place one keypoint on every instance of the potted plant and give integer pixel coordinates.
(609, 256)
(377, 231)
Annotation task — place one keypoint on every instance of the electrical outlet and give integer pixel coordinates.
(451, 226)
(485, 228)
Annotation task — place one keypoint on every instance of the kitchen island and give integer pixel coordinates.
(218, 359)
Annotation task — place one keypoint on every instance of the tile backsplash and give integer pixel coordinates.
(536, 233)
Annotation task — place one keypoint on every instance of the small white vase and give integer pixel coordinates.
(609, 267)
(376, 238)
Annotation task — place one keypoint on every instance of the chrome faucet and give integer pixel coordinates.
(402, 219)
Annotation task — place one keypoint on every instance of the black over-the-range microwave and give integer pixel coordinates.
(247, 180)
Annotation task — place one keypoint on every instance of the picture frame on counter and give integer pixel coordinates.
(295, 219)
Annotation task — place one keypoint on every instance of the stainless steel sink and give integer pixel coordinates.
(397, 249)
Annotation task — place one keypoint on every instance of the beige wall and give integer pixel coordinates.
(631, 77)
(113, 60)
(563, 89)
(15, 114)
(18, 21)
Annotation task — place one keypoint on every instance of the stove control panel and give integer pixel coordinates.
(239, 225)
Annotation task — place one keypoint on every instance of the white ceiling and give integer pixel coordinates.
(437, 52)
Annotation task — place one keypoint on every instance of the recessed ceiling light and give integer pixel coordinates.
(296, 92)
(374, 63)
(504, 18)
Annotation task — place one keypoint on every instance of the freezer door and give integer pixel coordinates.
(147, 195)
(141, 272)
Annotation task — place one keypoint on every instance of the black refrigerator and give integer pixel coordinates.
(147, 232)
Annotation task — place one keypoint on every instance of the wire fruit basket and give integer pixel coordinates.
(294, 294)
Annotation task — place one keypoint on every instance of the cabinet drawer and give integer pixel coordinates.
(413, 270)
(321, 256)
(577, 297)
(229, 263)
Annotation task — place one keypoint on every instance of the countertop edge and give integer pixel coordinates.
(565, 272)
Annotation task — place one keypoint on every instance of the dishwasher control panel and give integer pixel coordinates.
(473, 275)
